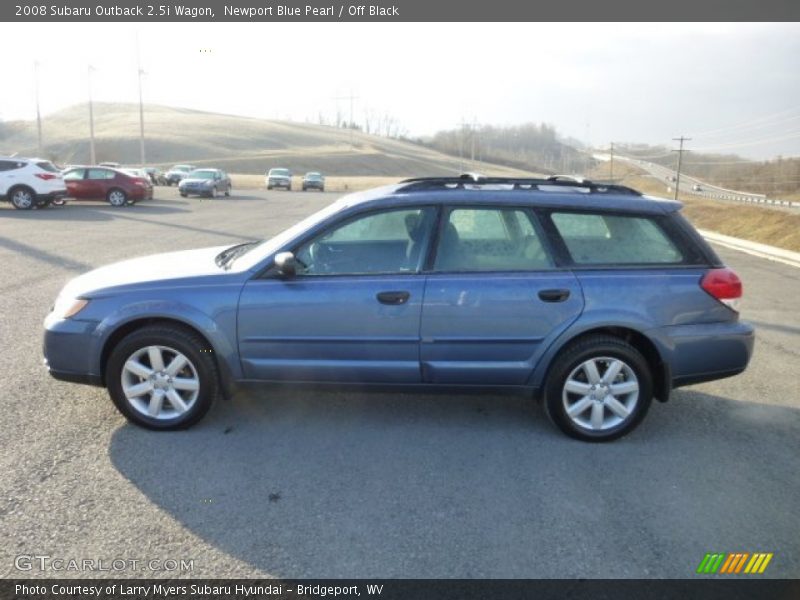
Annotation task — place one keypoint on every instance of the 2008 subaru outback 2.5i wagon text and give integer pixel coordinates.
(591, 296)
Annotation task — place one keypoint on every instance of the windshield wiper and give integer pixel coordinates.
(226, 257)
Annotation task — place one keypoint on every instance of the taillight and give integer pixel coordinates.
(46, 176)
(724, 285)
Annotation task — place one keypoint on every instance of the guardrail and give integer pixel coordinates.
(714, 191)
(753, 199)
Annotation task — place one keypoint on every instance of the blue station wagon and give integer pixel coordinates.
(589, 296)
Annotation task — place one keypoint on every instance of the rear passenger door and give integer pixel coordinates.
(493, 298)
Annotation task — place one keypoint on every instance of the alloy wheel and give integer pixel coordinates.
(600, 393)
(159, 382)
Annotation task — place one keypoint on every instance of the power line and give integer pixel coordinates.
(789, 136)
(749, 123)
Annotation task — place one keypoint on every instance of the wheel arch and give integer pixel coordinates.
(227, 379)
(659, 368)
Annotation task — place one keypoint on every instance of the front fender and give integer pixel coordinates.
(220, 331)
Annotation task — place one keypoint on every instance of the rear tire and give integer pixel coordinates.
(162, 377)
(117, 197)
(598, 389)
(22, 197)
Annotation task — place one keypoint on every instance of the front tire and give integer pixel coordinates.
(599, 389)
(162, 377)
(22, 197)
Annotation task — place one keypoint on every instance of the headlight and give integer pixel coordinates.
(69, 307)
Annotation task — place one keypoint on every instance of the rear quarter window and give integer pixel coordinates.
(600, 239)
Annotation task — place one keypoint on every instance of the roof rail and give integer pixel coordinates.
(473, 180)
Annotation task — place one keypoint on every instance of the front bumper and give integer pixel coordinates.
(285, 183)
(69, 347)
(195, 189)
(50, 196)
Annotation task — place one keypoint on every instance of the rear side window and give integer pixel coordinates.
(101, 174)
(596, 239)
(489, 239)
(46, 165)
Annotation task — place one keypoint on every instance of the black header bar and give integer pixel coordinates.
(398, 10)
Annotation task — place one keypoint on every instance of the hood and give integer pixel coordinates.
(157, 267)
(279, 176)
(187, 180)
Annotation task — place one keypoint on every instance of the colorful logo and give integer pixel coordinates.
(734, 563)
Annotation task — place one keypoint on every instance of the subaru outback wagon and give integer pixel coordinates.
(592, 297)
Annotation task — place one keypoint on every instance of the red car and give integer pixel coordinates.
(104, 183)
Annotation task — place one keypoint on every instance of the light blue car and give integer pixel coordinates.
(589, 296)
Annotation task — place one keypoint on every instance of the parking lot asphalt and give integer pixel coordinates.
(331, 484)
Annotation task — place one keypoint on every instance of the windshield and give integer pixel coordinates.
(280, 172)
(313, 176)
(264, 249)
(202, 175)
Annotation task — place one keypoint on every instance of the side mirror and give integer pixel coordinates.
(286, 264)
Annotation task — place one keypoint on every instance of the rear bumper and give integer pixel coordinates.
(706, 352)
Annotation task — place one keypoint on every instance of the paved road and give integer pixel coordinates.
(331, 484)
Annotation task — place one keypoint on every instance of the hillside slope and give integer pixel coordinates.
(237, 144)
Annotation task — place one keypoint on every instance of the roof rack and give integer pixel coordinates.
(474, 180)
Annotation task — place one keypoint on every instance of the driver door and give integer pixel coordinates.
(352, 312)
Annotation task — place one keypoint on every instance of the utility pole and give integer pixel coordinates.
(38, 114)
(473, 129)
(681, 139)
(141, 104)
(351, 98)
(611, 164)
(461, 147)
(92, 155)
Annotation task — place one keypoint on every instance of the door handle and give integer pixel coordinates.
(393, 298)
(553, 295)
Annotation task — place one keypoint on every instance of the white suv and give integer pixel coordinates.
(30, 182)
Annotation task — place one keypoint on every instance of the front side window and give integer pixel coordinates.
(615, 239)
(391, 241)
(10, 165)
(490, 239)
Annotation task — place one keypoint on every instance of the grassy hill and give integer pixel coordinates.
(237, 144)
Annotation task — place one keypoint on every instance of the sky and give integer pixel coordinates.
(733, 88)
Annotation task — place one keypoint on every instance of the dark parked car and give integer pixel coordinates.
(157, 176)
(280, 178)
(596, 300)
(104, 183)
(313, 181)
(178, 172)
(205, 182)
